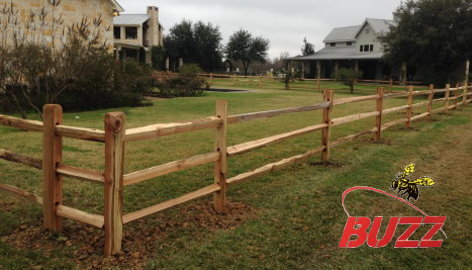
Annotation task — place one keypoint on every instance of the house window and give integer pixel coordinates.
(332, 44)
(117, 32)
(371, 47)
(366, 48)
(131, 33)
(362, 48)
(349, 43)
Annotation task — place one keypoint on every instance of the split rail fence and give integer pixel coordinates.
(316, 84)
(115, 136)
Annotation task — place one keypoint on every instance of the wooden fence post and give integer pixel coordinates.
(378, 119)
(221, 166)
(260, 81)
(430, 99)
(114, 160)
(390, 86)
(409, 111)
(456, 96)
(211, 78)
(446, 99)
(52, 157)
(328, 96)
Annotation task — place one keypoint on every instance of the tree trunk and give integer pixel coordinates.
(246, 67)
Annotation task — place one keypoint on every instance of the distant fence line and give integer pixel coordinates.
(235, 80)
(115, 136)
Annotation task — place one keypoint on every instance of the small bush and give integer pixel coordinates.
(348, 77)
(180, 86)
(190, 69)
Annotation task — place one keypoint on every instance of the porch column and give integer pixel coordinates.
(302, 75)
(403, 73)
(467, 69)
(148, 59)
(117, 53)
(318, 69)
(336, 66)
(356, 67)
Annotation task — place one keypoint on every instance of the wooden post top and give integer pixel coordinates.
(114, 122)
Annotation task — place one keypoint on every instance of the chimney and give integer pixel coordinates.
(153, 33)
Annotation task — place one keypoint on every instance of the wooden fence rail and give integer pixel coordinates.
(114, 136)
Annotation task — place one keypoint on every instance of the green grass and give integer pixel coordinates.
(297, 218)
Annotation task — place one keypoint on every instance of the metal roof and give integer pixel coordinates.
(380, 26)
(131, 19)
(344, 53)
(343, 34)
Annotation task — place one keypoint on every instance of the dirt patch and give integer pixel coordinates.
(140, 239)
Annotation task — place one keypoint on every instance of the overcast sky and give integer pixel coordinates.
(284, 23)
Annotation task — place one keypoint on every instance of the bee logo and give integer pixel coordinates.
(407, 187)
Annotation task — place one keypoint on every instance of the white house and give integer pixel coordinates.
(356, 47)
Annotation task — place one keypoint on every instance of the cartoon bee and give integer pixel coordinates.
(409, 187)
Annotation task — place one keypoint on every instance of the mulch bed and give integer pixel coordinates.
(140, 240)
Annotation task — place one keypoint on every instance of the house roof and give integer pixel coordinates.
(344, 53)
(349, 34)
(343, 34)
(380, 26)
(117, 5)
(131, 19)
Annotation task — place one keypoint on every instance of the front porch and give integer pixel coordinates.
(372, 69)
(139, 53)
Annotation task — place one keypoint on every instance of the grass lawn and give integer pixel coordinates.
(290, 219)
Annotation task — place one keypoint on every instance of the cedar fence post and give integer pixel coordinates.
(390, 86)
(456, 96)
(221, 166)
(260, 81)
(52, 157)
(211, 78)
(326, 132)
(446, 99)
(430, 99)
(409, 111)
(378, 119)
(114, 160)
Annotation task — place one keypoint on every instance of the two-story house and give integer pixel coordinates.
(68, 12)
(356, 47)
(136, 34)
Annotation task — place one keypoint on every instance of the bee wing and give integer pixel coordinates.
(424, 181)
(409, 169)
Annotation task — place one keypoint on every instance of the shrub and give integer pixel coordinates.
(190, 69)
(348, 77)
(181, 86)
(74, 69)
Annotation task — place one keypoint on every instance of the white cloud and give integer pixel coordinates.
(284, 23)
